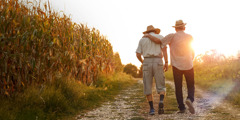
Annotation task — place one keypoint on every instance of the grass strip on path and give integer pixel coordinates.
(62, 98)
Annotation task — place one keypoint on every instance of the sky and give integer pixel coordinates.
(214, 24)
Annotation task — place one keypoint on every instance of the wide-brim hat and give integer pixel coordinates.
(179, 23)
(150, 28)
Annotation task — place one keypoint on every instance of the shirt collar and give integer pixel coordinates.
(152, 33)
(181, 31)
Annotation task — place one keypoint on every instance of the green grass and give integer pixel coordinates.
(170, 101)
(169, 74)
(220, 77)
(62, 98)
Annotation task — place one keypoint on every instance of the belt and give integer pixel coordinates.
(153, 57)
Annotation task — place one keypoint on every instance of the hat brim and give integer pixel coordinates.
(179, 25)
(155, 30)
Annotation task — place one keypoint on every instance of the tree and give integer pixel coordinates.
(131, 69)
(118, 66)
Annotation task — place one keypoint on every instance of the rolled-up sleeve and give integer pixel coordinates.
(139, 48)
(167, 39)
(160, 37)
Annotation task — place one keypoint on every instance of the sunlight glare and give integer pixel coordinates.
(201, 47)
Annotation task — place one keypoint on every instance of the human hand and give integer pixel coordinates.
(165, 67)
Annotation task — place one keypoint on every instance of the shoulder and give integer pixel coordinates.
(142, 39)
(160, 36)
(170, 35)
(157, 35)
(189, 36)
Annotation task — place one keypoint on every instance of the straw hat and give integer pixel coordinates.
(179, 23)
(150, 28)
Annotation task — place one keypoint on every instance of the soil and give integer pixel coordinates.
(131, 104)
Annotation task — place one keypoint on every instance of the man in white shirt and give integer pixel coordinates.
(153, 67)
(182, 56)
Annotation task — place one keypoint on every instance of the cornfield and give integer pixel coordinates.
(38, 45)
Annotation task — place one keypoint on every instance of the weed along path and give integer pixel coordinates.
(131, 104)
(125, 106)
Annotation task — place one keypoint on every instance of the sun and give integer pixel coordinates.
(200, 47)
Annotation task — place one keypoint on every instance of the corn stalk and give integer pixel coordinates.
(39, 45)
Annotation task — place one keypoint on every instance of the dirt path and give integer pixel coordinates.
(124, 107)
(130, 104)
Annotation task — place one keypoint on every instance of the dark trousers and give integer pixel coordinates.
(178, 78)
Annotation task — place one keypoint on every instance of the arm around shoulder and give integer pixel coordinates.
(167, 39)
(152, 38)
